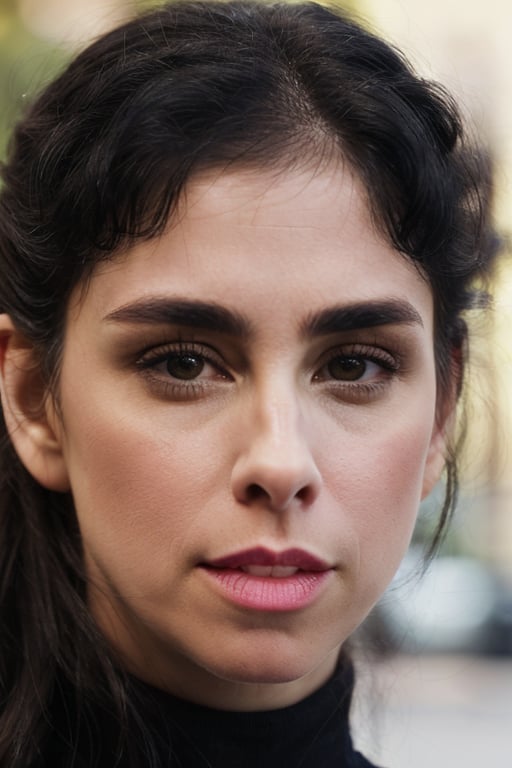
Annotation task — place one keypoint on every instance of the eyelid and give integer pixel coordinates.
(151, 356)
(177, 389)
(376, 354)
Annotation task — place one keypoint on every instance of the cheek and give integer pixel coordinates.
(378, 488)
(138, 490)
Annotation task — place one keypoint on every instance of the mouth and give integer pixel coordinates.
(260, 561)
(272, 571)
(260, 579)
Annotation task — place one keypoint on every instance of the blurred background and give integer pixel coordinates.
(439, 688)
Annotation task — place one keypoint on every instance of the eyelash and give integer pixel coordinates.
(186, 389)
(358, 390)
(183, 389)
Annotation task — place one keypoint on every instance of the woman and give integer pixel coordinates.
(237, 242)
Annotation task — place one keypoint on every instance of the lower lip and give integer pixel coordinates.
(266, 593)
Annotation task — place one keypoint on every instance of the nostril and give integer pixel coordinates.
(275, 483)
(254, 492)
(278, 497)
(305, 494)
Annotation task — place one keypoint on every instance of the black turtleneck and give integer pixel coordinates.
(173, 733)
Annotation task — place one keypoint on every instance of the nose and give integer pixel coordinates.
(275, 466)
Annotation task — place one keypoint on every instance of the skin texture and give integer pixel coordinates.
(273, 443)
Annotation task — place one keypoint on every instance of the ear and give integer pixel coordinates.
(443, 428)
(436, 459)
(29, 410)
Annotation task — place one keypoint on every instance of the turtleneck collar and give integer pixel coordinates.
(314, 733)
(168, 732)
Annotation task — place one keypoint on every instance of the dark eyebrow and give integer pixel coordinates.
(213, 317)
(192, 314)
(361, 315)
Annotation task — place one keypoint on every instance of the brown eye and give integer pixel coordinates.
(347, 368)
(185, 366)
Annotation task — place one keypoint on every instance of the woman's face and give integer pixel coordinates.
(248, 425)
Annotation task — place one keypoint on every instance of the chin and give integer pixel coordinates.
(265, 674)
(276, 663)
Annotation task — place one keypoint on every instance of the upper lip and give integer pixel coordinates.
(293, 557)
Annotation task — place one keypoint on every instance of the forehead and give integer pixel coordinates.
(288, 242)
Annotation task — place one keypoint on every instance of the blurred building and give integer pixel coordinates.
(73, 22)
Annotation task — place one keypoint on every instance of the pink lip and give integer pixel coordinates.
(269, 593)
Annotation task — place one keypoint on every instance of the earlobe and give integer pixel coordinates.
(29, 411)
(436, 459)
(443, 429)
